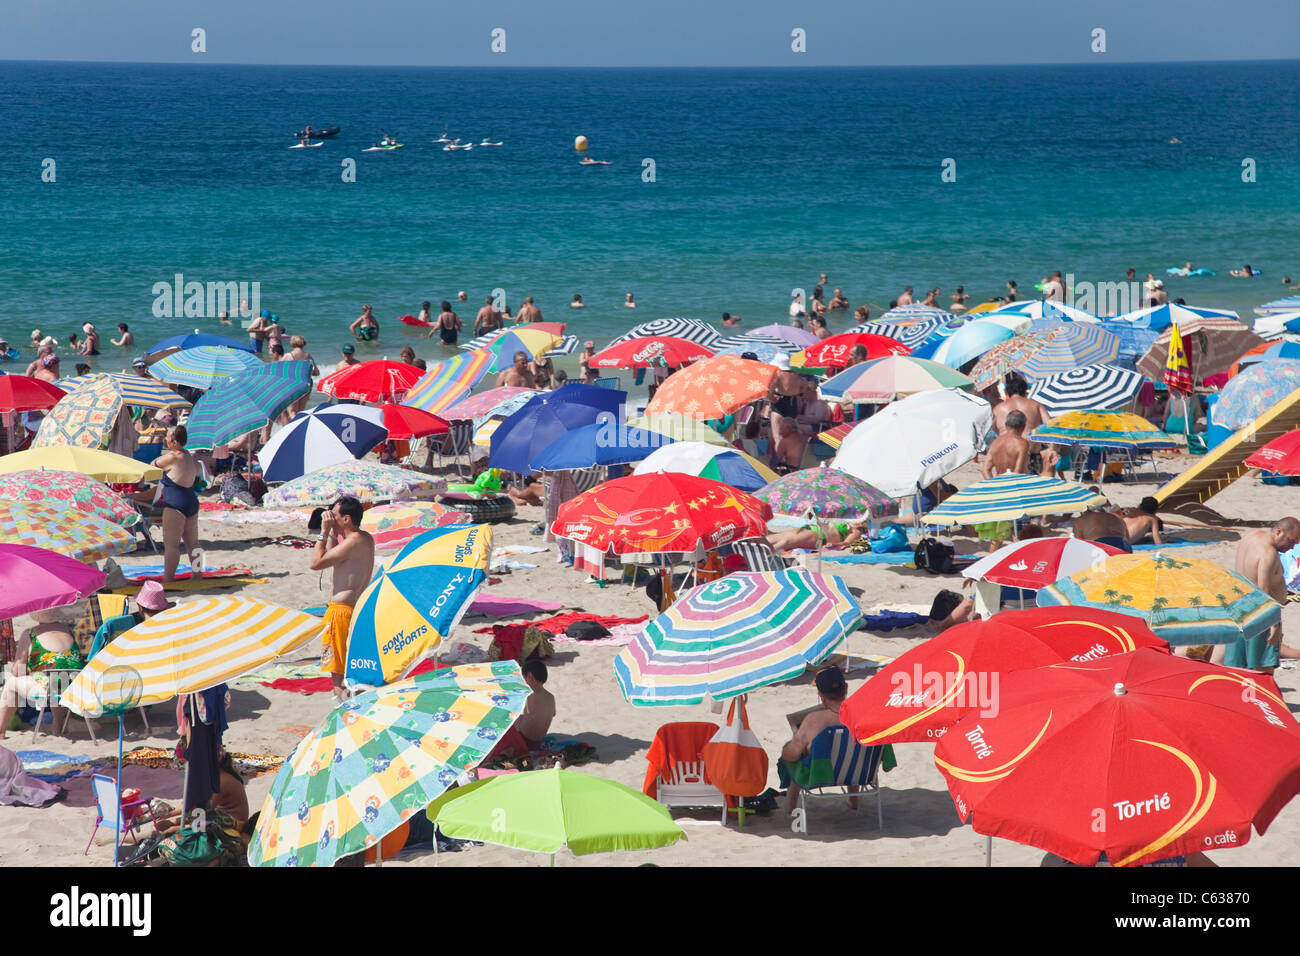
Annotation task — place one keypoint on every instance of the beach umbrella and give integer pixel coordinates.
(1160, 317)
(69, 489)
(735, 635)
(916, 440)
(602, 443)
(731, 466)
(1254, 391)
(1010, 496)
(678, 427)
(713, 388)
(1288, 303)
(1088, 387)
(192, 647)
(18, 393)
(1100, 428)
(404, 422)
(503, 401)
(135, 390)
(1134, 341)
(971, 341)
(1263, 353)
(379, 758)
(367, 481)
(826, 493)
(204, 365)
(666, 512)
(799, 338)
(887, 379)
(325, 435)
(448, 382)
(37, 578)
(1215, 343)
(919, 695)
(64, 529)
(695, 330)
(547, 810)
(1186, 602)
(378, 380)
(547, 416)
(1280, 456)
(103, 465)
(192, 340)
(504, 343)
(1140, 756)
(836, 350)
(1046, 310)
(1046, 349)
(765, 347)
(1278, 326)
(650, 351)
(915, 334)
(393, 525)
(1038, 562)
(413, 603)
(834, 437)
(916, 313)
(86, 415)
(1178, 364)
(244, 403)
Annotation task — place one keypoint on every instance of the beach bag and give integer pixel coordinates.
(934, 556)
(733, 758)
(893, 537)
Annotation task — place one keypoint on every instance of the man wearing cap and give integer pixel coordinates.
(831, 691)
(349, 355)
(258, 329)
(343, 546)
(141, 367)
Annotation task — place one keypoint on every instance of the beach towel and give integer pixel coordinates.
(891, 620)
(560, 623)
(620, 635)
(1168, 543)
(493, 605)
(154, 572)
(683, 740)
(867, 557)
(323, 685)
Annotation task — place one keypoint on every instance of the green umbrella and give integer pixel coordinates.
(245, 402)
(544, 810)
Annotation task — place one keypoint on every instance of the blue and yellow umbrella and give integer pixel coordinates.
(1102, 428)
(204, 365)
(412, 605)
(1011, 496)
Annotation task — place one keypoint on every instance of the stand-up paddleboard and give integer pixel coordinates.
(412, 320)
(382, 149)
(307, 145)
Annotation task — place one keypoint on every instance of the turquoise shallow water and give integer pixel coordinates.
(764, 179)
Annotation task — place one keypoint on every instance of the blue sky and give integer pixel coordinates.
(647, 32)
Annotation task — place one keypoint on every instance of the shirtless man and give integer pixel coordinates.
(730, 321)
(1010, 450)
(343, 546)
(1258, 561)
(838, 302)
(528, 312)
(906, 297)
(258, 330)
(790, 444)
(1142, 521)
(518, 375)
(488, 318)
(831, 691)
(1104, 527)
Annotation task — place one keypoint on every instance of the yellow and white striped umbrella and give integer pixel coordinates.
(188, 648)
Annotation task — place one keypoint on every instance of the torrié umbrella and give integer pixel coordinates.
(826, 493)
(927, 689)
(1102, 428)
(547, 416)
(1085, 388)
(1186, 602)
(729, 466)
(246, 402)
(713, 388)
(736, 634)
(1254, 391)
(886, 379)
(325, 435)
(1214, 343)
(1280, 456)
(367, 481)
(204, 365)
(1038, 562)
(18, 393)
(393, 525)
(661, 513)
(191, 647)
(1141, 756)
(679, 428)
(37, 578)
(1010, 496)
(650, 351)
(448, 382)
(547, 810)
(836, 350)
(62, 528)
(375, 381)
(103, 465)
(69, 489)
(1046, 349)
(412, 604)
(532, 342)
(494, 401)
(381, 757)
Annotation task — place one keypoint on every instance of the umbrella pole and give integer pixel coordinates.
(988, 851)
(117, 836)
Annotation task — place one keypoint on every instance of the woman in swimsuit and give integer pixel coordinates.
(366, 326)
(180, 516)
(449, 325)
(47, 646)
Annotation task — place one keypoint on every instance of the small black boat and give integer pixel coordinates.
(320, 133)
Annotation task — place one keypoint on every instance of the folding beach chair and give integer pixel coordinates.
(123, 816)
(759, 555)
(457, 442)
(834, 763)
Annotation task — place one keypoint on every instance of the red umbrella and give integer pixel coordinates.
(18, 393)
(403, 421)
(375, 381)
(1038, 562)
(1281, 455)
(661, 512)
(650, 350)
(930, 687)
(834, 352)
(1141, 756)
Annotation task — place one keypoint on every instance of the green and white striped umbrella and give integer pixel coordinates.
(205, 365)
(245, 402)
(1011, 496)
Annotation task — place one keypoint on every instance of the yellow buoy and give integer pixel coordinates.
(580, 144)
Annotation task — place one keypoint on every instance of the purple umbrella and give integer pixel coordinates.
(37, 578)
(800, 337)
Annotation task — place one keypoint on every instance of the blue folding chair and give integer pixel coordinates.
(834, 763)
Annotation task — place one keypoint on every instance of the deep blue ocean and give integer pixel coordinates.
(764, 178)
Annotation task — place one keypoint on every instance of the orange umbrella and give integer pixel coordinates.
(713, 387)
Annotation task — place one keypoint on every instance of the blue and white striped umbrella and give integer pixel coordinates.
(567, 346)
(1042, 309)
(1289, 304)
(326, 435)
(914, 313)
(1089, 387)
(766, 347)
(693, 330)
(204, 365)
(913, 335)
(1011, 496)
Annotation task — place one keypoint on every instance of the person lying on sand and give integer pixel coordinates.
(527, 492)
(840, 534)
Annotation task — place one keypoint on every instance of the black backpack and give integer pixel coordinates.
(934, 556)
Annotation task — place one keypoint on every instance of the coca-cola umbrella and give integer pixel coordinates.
(652, 350)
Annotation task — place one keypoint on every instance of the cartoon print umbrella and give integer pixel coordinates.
(394, 525)
(713, 388)
(367, 481)
(71, 489)
(826, 493)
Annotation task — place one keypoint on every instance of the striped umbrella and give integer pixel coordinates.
(1092, 386)
(765, 347)
(1046, 349)
(650, 351)
(736, 634)
(70, 489)
(1051, 311)
(189, 648)
(799, 338)
(834, 437)
(495, 401)
(204, 365)
(504, 343)
(1253, 392)
(1102, 429)
(1011, 496)
(826, 493)
(246, 402)
(917, 313)
(132, 390)
(1160, 317)
(394, 525)
(326, 435)
(731, 466)
(694, 330)
(1190, 601)
(61, 528)
(376, 381)
(367, 481)
(568, 344)
(103, 465)
(412, 604)
(190, 340)
(713, 388)
(887, 379)
(448, 382)
(378, 759)
(913, 334)
(1216, 342)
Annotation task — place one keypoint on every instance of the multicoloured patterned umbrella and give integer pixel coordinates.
(1011, 496)
(1102, 429)
(204, 365)
(1190, 601)
(103, 465)
(191, 340)
(64, 529)
(834, 437)
(505, 343)
(1092, 386)
(1216, 342)
(695, 330)
(130, 389)
(1046, 349)
(1254, 391)
(375, 381)
(448, 382)
(239, 405)
(393, 525)
(727, 465)
(69, 489)
(713, 388)
(380, 758)
(826, 493)
(367, 481)
(887, 379)
(87, 415)
(412, 604)
(736, 634)
(495, 401)
(190, 647)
